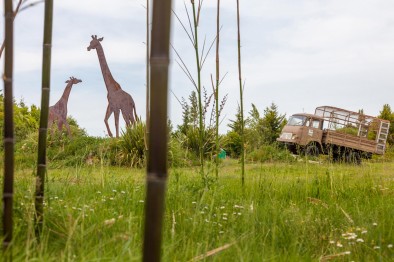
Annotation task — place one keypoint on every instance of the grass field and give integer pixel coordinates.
(286, 212)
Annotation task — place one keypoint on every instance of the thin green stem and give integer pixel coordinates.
(241, 100)
(217, 90)
(199, 91)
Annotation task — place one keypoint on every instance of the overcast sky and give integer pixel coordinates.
(297, 54)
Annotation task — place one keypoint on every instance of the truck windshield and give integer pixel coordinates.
(296, 121)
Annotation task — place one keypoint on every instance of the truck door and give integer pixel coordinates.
(313, 131)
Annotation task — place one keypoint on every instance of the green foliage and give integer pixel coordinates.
(272, 123)
(232, 144)
(26, 119)
(270, 153)
(131, 146)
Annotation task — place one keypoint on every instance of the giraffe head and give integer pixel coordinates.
(74, 80)
(95, 42)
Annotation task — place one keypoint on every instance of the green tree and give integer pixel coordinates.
(272, 123)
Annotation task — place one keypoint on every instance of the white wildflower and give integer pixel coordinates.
(122, 192)
(141, 201)
(375, 224)
(360, 240)
(339, 244)
(390, 245)
(376, 247)
(109, 222)
(222, 207)
(114, 190)
(364, 232)
(194, 202)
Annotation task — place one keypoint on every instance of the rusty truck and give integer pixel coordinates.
(342, 134)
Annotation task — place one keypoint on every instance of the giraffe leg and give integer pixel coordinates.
(126, 118)
(135, 113)
(107, 115)
(116, 115)
(68, 128)
(60, 125)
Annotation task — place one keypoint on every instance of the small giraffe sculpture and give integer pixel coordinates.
(118, 100)
(58, 112)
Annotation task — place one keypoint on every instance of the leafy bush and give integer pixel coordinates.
(130, 148)
(269, 153)
(232, 144)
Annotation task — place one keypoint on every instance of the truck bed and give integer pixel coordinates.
(348, 140)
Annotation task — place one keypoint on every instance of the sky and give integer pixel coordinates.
(296, 54)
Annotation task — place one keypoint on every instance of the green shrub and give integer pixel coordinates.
(269, 153)
(232, 144)
(130, 148)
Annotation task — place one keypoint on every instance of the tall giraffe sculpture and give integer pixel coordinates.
(58, 112)
(118, 99)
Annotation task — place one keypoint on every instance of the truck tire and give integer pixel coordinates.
(312, 150)
(353, 157)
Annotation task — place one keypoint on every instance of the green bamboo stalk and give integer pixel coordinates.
(9, 142)
(157, 159)
(42, 136)
(199, 91)
(147, 79)
(241, 100)
(217, 89)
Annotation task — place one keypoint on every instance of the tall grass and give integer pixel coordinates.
(285, 212)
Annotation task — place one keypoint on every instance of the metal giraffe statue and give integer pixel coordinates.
(58, 112)
(118, 100)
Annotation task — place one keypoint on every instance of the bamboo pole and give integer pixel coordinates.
(157, 160)
(9, 141)
(241, 100)
(217, 88)
(147, 78)
(42, 136)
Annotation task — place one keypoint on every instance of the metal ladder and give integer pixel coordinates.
(382, 137)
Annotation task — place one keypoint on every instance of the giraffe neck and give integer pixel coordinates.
(108, 79)
(66, 93)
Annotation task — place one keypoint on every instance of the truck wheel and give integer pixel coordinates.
(312, 150)
(353, 157)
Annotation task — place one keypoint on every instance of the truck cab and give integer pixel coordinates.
(302, 131)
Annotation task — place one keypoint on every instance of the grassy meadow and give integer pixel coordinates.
(297, 211)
